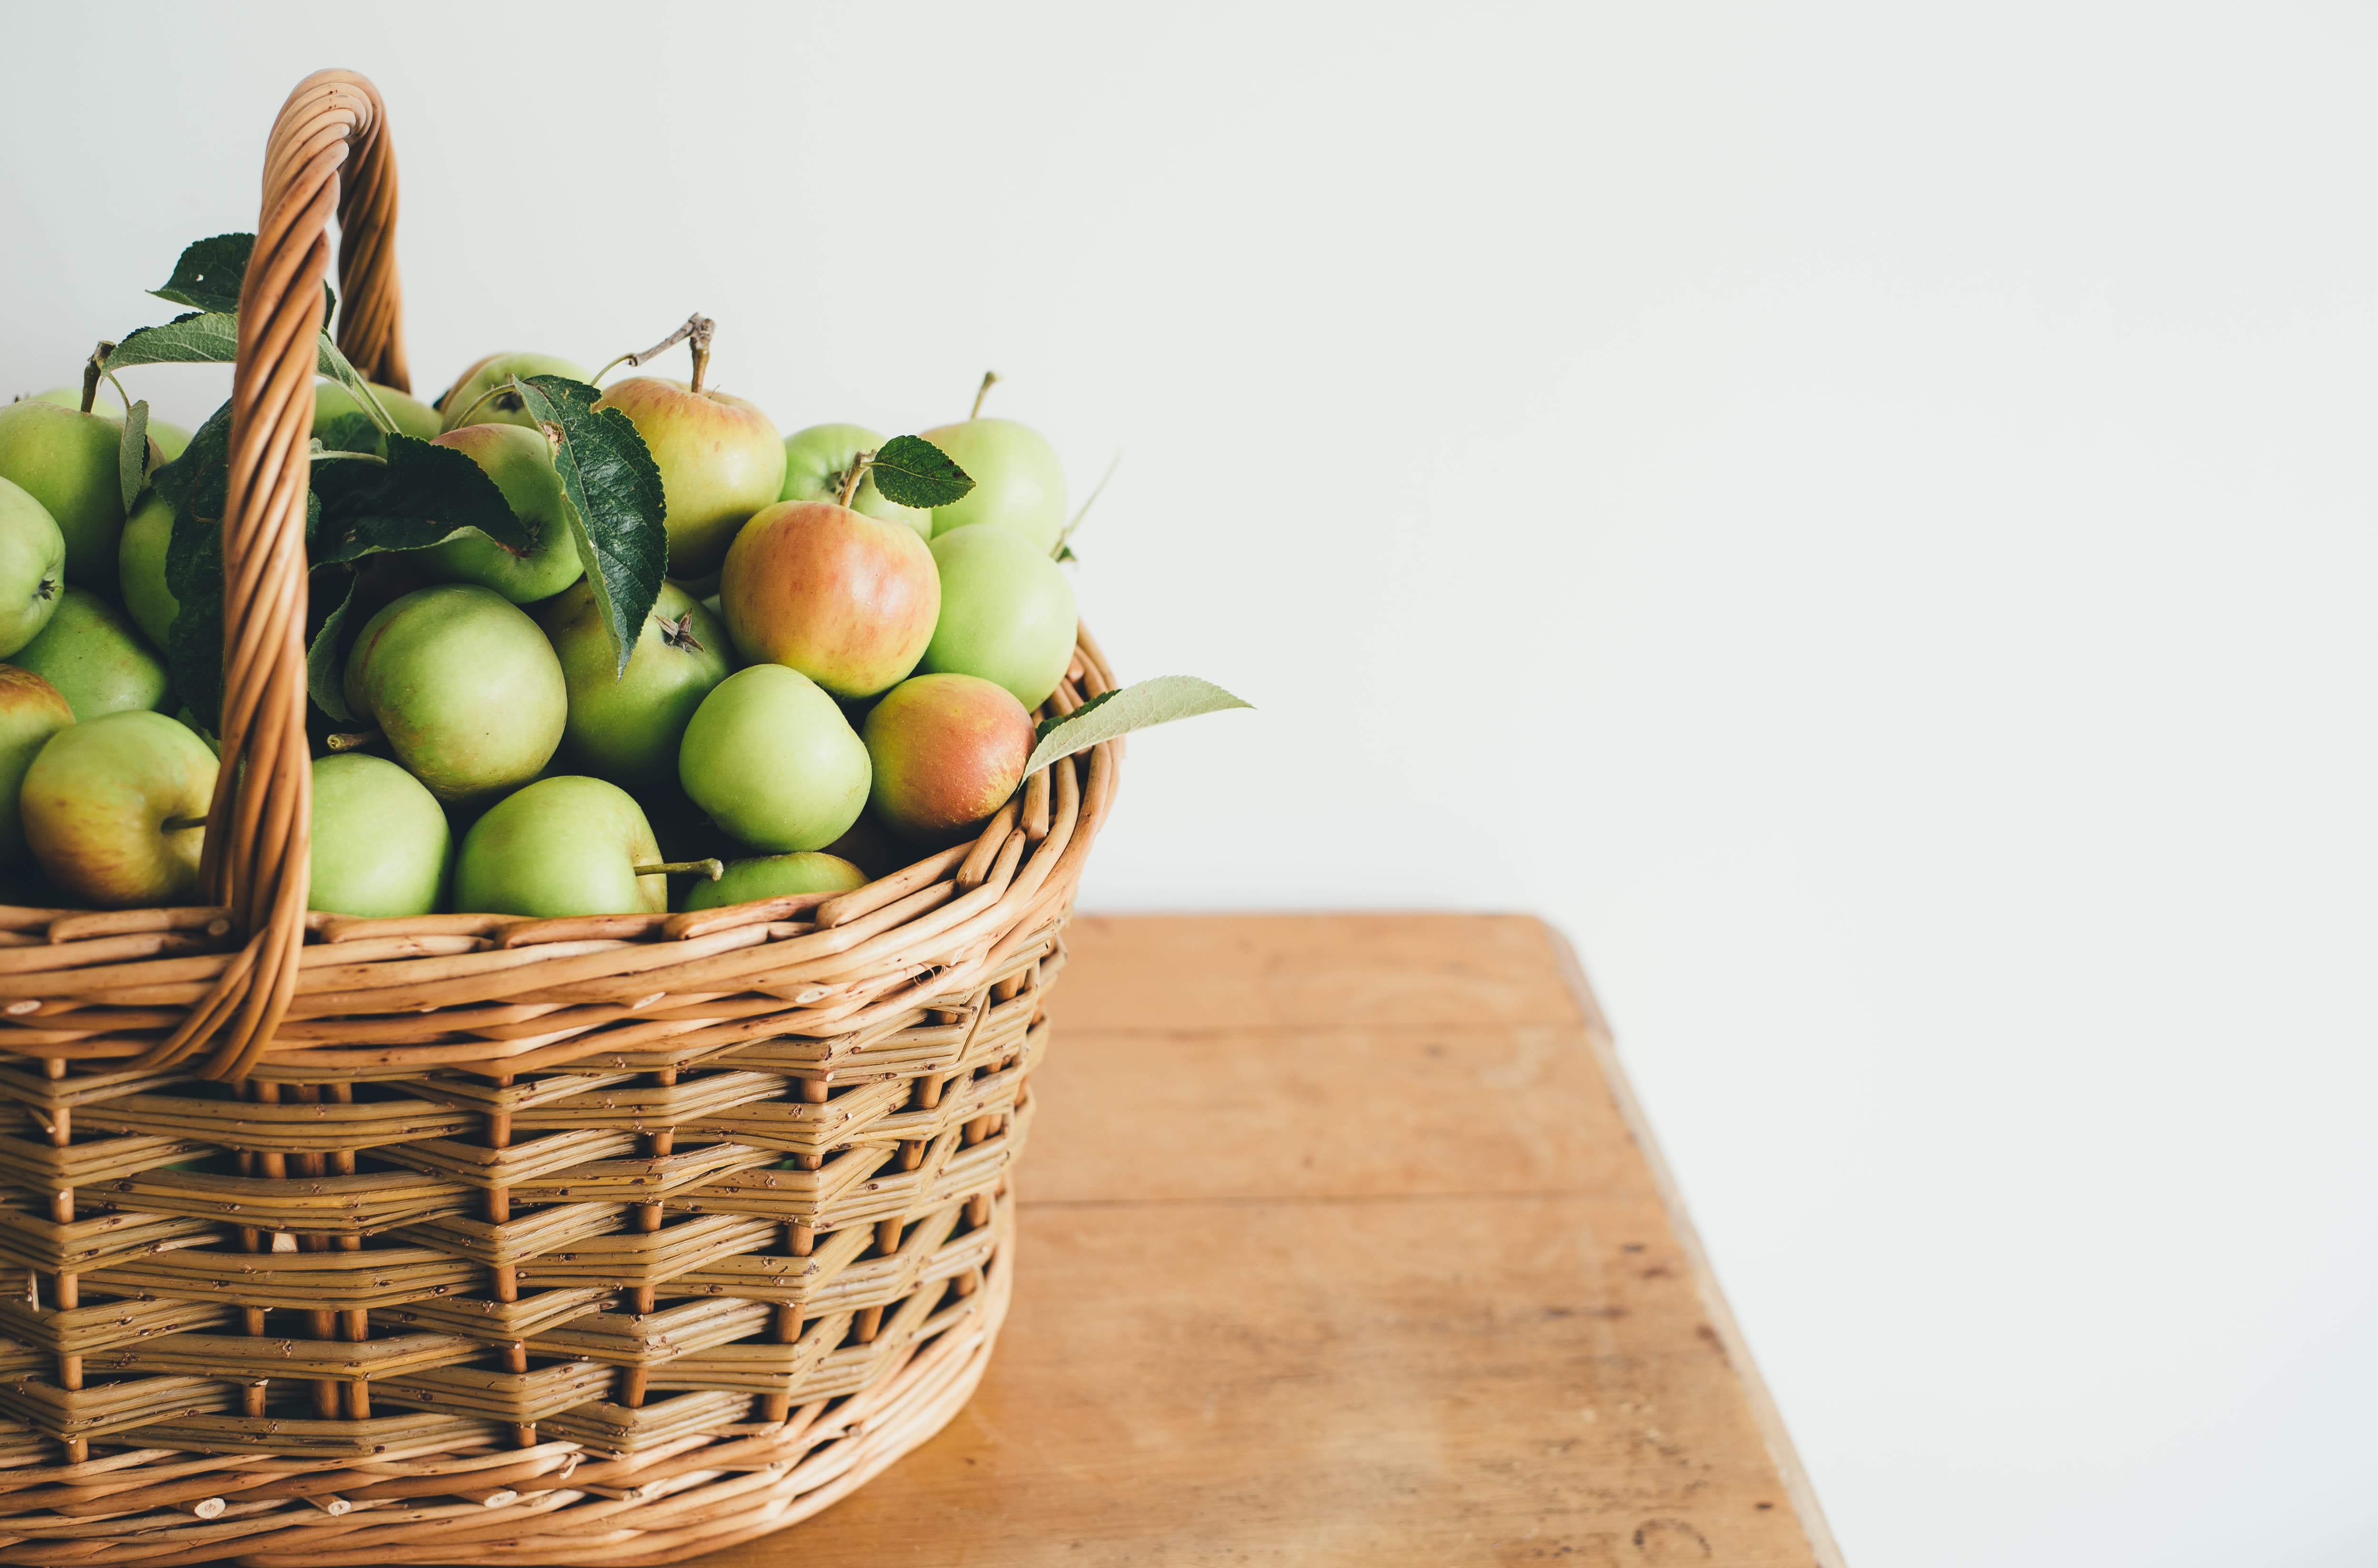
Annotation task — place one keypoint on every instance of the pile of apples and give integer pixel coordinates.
(829, 683)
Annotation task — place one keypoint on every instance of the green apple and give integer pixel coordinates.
(463, 686)
(945, 752)
(170, 439)
(773, 876)
(720, 461)
(460, 404)
(96, 657)
(520, 462)
(31, 712)
(140, 567)
(1018, 483)
(114, 809)
(564, 845)
(1007, 613)
(817, 457)
(849, 601)
(32, 567)
(773, 761)
(334, 403)
(625, 727)
(66, 461)
(381, 846)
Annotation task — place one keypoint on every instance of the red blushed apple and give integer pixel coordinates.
(848, 600)
(720, 461)
(947, 751)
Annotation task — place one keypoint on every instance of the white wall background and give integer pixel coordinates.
(1865, 519)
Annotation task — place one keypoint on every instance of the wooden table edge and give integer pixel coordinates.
(1763, 1410)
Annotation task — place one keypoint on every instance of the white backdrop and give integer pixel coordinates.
(1864, 521)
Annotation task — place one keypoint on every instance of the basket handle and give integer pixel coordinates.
(329, 149)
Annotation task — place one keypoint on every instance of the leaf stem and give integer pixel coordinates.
(989, 378)
(711, 867)
(698, 326)
(1096, 491)
(506, 385)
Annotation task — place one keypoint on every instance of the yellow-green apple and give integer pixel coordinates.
(1018, 483)
(463, 686)
(467, 402)
(334, 403)
(140, 567)
(114, 809)
(946, 751)
(773, 761)
(563, 845)
(170, 439)
(32, 567)
(96, 657)
(31, 712)
(817, 458)
(848, 600)
(625, 725)
(773, 876)
(1007, 613)
(381, 845)
(66, 461)
(719, 458)
(520, 462)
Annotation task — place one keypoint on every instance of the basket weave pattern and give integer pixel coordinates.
(468, 1238)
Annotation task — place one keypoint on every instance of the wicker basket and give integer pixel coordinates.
(612, 1239)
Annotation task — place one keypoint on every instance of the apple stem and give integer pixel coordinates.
(697, 325)
(989, 376)
(851, 477)
(90, 373)
(352, 740)
(712, 868)
(182, 824)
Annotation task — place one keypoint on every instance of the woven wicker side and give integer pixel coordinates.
(609, 1240)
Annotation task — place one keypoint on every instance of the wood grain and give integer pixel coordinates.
(1338, 1246)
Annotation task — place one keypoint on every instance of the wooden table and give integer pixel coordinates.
(1342, 1242)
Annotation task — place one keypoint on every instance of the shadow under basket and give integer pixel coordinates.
(475, 1238)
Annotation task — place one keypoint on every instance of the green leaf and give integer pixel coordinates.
(194, 484)
(912, 472)
(132, 453)
(329, 361)
(325, 669)
(422, 495)
(208, 275)
(199, 338)
(1129, 708)
(352, 433)
(616, 500)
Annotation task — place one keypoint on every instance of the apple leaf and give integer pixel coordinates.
(616, 505)
(197, 338)
(132, 453)
(325, 673)
(1120, 712)
(912, 472)
(351, 432)
(194, 485)
(424, 494)
(208, 275)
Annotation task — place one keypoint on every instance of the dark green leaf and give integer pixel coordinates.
(332, 364)
(194, 484)
(324, 667)
(424, 494)
(1117, 712)
(617, 504)
(199, 338)
(210, 271)
(912, 472)
(132, 453)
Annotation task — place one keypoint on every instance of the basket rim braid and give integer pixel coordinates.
(608, 1239)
